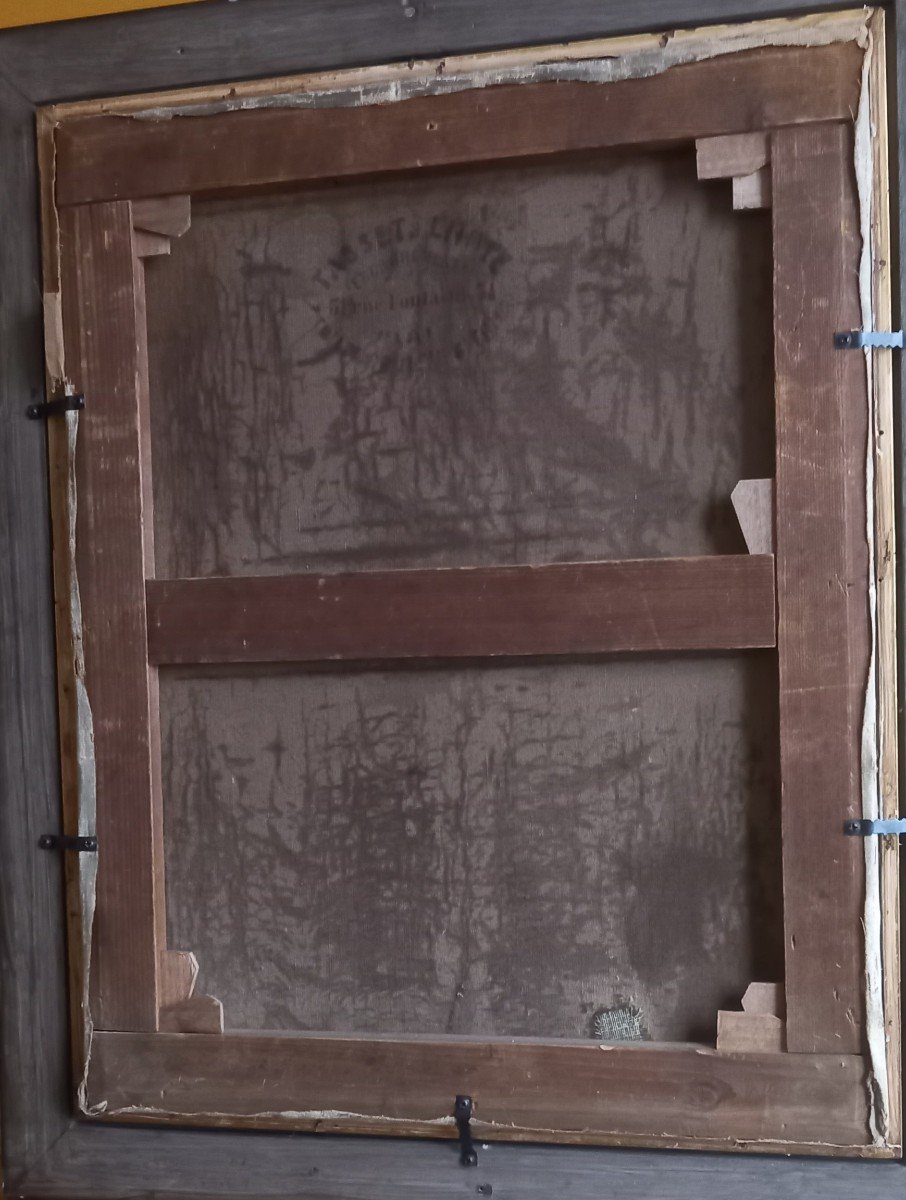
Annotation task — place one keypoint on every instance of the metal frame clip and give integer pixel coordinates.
(859, 339)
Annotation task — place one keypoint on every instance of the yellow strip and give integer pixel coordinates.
(33, 12)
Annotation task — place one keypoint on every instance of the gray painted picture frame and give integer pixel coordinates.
(46, 1150)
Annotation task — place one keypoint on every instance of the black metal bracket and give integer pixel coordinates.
(858, 339)
(866, 828)
(53, 408)
(462, 1111)
(54, 841)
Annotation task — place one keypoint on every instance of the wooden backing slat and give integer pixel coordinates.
(102, 301)
(166, 216)
(719, 603)
(731, 155)
(111, 157)
(822, 578)
(521, 1090)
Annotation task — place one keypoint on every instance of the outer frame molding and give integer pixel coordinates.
(46, 1153)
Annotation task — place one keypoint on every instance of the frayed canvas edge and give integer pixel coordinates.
(86, 864)
(599, 61)
(86, 779)
(878, 1083)
(480, 1128)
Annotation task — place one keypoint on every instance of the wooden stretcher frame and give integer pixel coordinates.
(104, 179)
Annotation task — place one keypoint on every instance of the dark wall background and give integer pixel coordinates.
(46, 1153)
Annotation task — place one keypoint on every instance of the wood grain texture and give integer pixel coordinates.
(765, 998)
(460, 370)
(822, 580)
(720, 603)
(102, 303)
(149, 245)
(168, 216)
(475, 849)
(753, 503)
(750, 1033)
(177, 972)
(760, 1027)
(107, 158)
(34, 1062)
(172, 49)
(732, 154)
(198, 1014)
(212, 1165)
(752, 191)
(77, 815)
(604, 1095)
